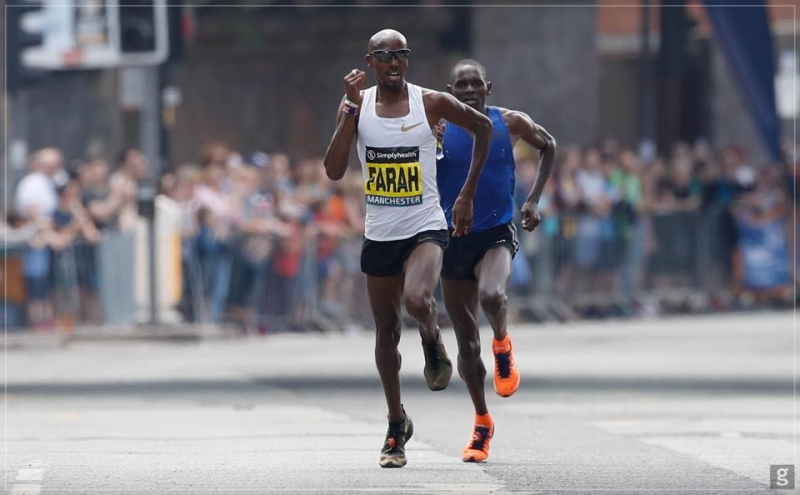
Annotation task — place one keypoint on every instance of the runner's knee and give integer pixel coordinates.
(493, 301)
(419, 304)
(387, 338)
(387, 332)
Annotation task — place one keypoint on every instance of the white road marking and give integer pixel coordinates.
(24, 484)
(30, 474)
(27, 489)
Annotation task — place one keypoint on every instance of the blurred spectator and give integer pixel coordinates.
(19, 233)
(215, 153)
(36, 192)
(679, 190)
(123, 184)
(36, 199)
(75, 280)
(736, 176)
(279, 171)
(595, 248)
(187, 179)
(680, 151)
(256, 224)
(103, 204)
(675, 224)
(311, 185)
(285, 297)
(215, 217)
(336, 223)
(568, 203)
(70, 219)
(609, 150)
(180, 189)
(627, 180)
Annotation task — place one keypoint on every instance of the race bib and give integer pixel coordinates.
(394, 176)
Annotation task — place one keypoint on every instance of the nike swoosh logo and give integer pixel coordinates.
(403, 127)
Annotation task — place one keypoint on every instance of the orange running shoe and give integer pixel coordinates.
(506, 374)
(477, 450)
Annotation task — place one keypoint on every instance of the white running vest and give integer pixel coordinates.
(398, 163)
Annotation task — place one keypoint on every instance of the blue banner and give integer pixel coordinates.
(765, 254)
(742, 29)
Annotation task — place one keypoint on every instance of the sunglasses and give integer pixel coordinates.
(384, 56)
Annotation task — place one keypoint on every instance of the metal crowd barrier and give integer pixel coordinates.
(82, 284)
(573, 266)
(281, 291)
(100, 285)
(662, 262)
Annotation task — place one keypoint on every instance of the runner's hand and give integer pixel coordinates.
(531, 218)
(462, 216)
(440, 129)
(354, 82)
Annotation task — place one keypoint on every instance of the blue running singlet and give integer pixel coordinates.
(494, 198)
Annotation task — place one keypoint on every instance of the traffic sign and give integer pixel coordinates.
(96, 34)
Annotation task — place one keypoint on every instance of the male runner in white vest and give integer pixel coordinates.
(405, 227)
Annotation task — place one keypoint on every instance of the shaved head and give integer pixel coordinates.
(467, 62)
(385, 37)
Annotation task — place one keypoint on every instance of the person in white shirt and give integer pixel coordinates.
(36, 199)
(36, 192)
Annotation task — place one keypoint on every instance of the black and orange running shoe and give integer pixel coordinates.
(477, 450)
(438, 368)
(393, 453)
(506, 374)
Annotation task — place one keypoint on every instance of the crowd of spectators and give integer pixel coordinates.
(616, 225)
(269, 241)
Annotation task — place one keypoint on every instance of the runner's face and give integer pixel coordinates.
(389, 61)
(470, 88)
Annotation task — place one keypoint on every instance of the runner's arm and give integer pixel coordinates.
(522, 125)
(338, 152)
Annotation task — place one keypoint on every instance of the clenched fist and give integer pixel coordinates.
(354, 82)
(531, 218)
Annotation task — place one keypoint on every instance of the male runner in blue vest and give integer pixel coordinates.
(477, 266)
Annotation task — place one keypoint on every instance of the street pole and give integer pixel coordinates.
(150, 143)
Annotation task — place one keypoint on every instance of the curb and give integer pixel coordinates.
(98, 334)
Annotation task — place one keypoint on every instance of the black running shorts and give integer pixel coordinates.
(465, 252)
(387, 258)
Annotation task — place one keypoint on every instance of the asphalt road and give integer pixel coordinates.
(685, 405)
